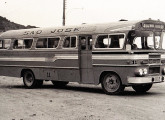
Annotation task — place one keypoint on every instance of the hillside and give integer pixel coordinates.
(6, 24)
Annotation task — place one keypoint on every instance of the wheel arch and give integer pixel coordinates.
(24, 70)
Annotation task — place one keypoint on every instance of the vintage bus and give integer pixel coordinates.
(115, 55)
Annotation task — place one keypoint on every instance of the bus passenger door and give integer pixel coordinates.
(85, 59)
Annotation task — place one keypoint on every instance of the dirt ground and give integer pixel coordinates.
(78, 102)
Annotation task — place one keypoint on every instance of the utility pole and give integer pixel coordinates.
(64, 7)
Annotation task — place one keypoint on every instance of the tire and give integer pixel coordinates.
(111, 84)
(30, 81)
(59, 83)
(142, 88)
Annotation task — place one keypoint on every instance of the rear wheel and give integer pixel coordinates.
(59, 83)
(142, 88)
(30, 81)
(111, 84)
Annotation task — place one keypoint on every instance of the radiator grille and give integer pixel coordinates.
(154, 58)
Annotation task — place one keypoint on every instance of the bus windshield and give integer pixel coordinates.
(149, 41)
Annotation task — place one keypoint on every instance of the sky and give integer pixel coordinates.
(48, 13)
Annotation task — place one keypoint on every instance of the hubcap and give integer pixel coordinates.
(111, 83)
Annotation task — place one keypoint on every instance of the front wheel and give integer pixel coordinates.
(142, 88)
(30, 81)
(111, 84)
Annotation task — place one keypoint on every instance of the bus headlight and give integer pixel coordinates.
(145, 71)
(141, 71)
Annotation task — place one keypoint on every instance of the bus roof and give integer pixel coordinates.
(84, 29)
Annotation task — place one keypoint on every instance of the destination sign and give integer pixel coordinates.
(150, 25)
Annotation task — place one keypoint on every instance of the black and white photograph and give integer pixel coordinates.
(82, 60)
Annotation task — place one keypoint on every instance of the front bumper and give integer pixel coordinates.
(144, 80)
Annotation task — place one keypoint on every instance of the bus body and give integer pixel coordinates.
(120, 54)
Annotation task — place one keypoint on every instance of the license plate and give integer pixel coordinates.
(157, 79)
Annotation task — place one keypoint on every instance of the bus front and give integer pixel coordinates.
(146, 42)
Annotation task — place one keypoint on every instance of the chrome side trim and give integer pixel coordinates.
(48, 67)
(115, 65)
(40, 59)
(119, 57)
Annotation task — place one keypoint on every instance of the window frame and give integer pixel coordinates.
(47, 42)
(69, 47)
(149, 48)
(108, 37)
(9, 43)
(23, 41)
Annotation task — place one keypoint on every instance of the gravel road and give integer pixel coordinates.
(78, 102)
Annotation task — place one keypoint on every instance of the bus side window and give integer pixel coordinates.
(110, 41)
(102, 41)
(73, 41)
(83, 43)
(137, 43)
(66, 42)
(41, 43)
(5, 44)
(114, 41)
(69, 42)
(28, 43)
(53, 42)
(15, 44)
(1, 44)
(22, 44)
(117, 41)
(47, 42)
(89, 43)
